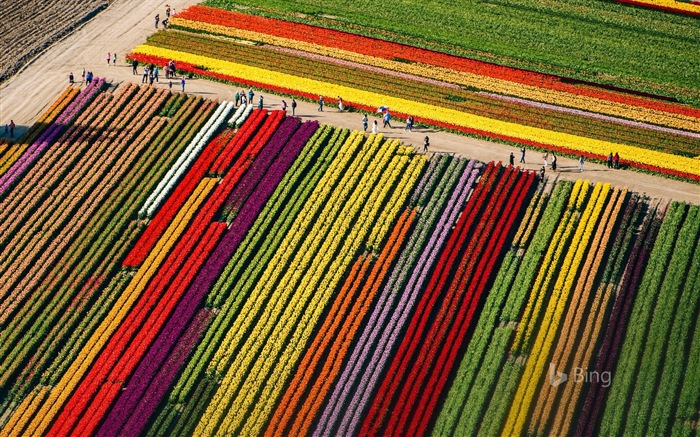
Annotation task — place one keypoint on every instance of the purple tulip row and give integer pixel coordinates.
(385, 323)
(614, 334)
(259, 166)
(132, 414)
(49, 135)
(151, 392)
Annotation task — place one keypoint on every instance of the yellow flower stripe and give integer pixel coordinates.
(292, 276)
(24, 412)
(672, 4)
(12, 155)
(381, 174)
(272, 331)
(61, 392)
(545, 274)
(444, 115)
(281, 264)
(499, 86)
(396, 204)
(535, 366)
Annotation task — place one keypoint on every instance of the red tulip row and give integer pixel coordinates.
(440, 324)
(390, 50)
(191, 68)
(176, 200)
(42, 321)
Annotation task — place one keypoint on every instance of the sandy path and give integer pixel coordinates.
(127, 23)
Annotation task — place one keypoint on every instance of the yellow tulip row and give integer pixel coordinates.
(48, 409)
(392, 209)
(300, 326)
(291, 300)
(499, 86)
(279, 265)
(297, 318)
(544, 276)
(546, 137)
(549, 327)
(673, 4)
(288, 249)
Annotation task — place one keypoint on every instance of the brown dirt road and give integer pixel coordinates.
(127, 23)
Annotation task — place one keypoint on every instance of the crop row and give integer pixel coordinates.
(466, 100)
(285, 308)
(91, 253)
(397, 299)
(9, 153)
(241, 265)
(388, 50)
(444, 117)
(88, 320)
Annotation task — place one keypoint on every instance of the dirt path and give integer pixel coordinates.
(127, 23)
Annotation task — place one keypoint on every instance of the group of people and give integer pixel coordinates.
(111, 58)
(613, 161)
(166, 20)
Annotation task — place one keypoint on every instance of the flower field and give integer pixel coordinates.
(470, 96)
(173, 265)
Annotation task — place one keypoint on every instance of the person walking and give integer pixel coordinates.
(114, 59)
(616, 161)
(544, 158)
(12, 128)
(554, 162)
(237, 98)
(320, 103)
(70, 78)
(375, 127)
(364, 123)
(157, 20)
(387, 119)
(167, 11)
(134, 64)
(511, 159)
(294, 106)
(109, 58)
(426, 144)
(522, 155)
(284, 106)
(144, 79)
(409, 124)
(250, 95)
(83, 75)
(155, 73)
(340, 104)
(260, 102)
(610, 160)
(182, 83)
(580, 163)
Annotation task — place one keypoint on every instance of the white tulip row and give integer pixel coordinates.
(171, 178)
(240, 116)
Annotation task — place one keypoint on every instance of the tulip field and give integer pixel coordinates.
(529, 108)
(174, 265)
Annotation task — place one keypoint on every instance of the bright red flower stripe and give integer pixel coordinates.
(600, 157)
(86, 406)
(449, 304)
(457, 301)
(448, 354)
(243, 137)
(177, 199)
(375, 418)
(124, 364)
(662, 8)
(390, 50)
